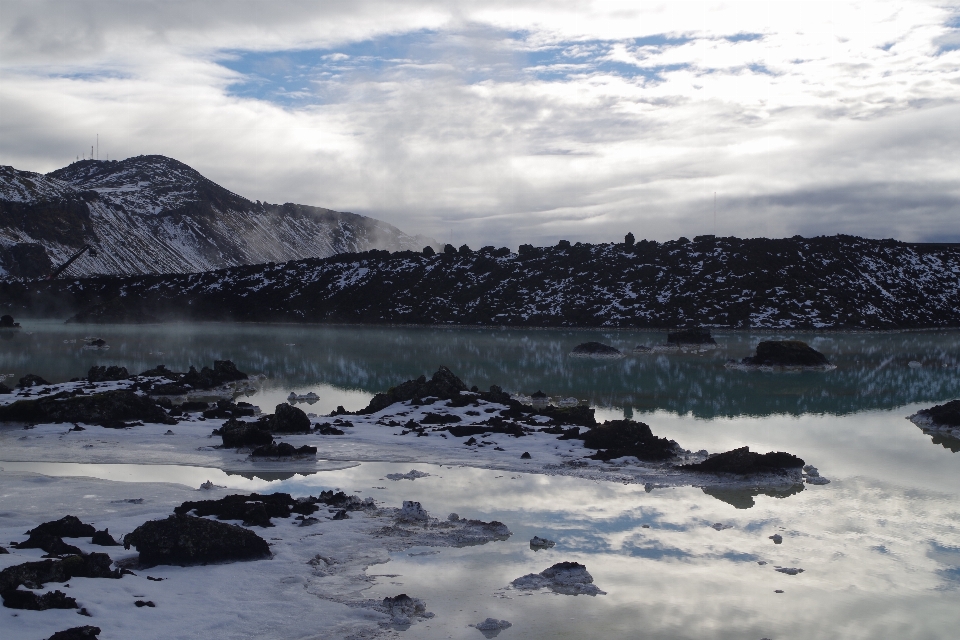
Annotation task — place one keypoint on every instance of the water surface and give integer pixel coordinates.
(880, 545)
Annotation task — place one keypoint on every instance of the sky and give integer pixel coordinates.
(521, 121)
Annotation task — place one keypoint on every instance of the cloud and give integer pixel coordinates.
(513, 122)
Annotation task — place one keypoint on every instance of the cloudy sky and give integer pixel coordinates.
(492, 122)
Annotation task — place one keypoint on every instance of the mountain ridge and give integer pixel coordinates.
(153, 214)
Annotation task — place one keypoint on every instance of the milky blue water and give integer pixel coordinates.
(879, 545)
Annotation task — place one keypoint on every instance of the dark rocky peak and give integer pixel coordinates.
(163, 183)
(140, 170)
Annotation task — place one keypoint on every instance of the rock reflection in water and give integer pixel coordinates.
(270, 476)
(744, 498)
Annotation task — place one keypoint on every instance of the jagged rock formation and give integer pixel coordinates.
(153, 214)
(828, 282)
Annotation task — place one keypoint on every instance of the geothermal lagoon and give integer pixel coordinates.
(671, 555)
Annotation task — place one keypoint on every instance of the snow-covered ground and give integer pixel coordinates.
(315, 583)
(379, 436)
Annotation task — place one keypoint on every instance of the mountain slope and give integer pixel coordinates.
(153, 214)
(817, 283)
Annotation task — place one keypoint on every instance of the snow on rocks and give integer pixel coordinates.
(568, 578)
(413, 474)
(941, 418)
(402, 609)
(790, 571)
(537, 543)
(491, 627)
(412, 522)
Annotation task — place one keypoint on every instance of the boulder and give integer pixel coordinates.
(87, 632)
(34, 574)
(66, 527)
(32, 380)
(108, 409)
(21, 599)
(569, 578)
(786, 353)
(289, 419)
(444, 385)
(6, 322)
(941, 415)
(237, 433)
(282, 450)
(4, 389)
(106, 374)
(187, 540)
(742, 461)
(595, 350)
(245, 507)
(104, 539)
(619, 438)
(52, 544)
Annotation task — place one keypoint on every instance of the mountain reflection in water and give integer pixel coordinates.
(872, 368)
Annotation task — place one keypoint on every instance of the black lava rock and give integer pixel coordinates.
(65, 527)
(6, 322)
(743, 461)
(525, 456)
(618, 438)
(108, 409)
(77, 633)
(32, 380)
(329, 430)
(786, 353)
(289, 419)
(105, 374)
(945, 415)
(443, 385)
(283, 450)
(595, 349)
(237, 433)
(52, 544)
(104, 539)
(186, 540)
(34, 574)
(245, 507)
(223, 372)
(20, 599)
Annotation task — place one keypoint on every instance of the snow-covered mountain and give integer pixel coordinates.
(153, 214)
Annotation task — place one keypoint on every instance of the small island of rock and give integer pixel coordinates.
(784, 354)
(595, 350)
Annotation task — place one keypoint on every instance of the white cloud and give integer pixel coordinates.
(833, 117)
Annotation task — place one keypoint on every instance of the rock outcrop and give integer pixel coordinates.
(786, 354)
(595, 350)
(742, 461)
(619, 438)
(108, 409)
(188, 540)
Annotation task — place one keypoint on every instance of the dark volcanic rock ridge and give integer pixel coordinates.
(815, 283)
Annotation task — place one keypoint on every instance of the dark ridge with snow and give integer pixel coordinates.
(153, 214)
(827, 282)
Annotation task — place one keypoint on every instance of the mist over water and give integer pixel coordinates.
(356, 362)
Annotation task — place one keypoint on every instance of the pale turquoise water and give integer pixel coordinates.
(880, 545)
